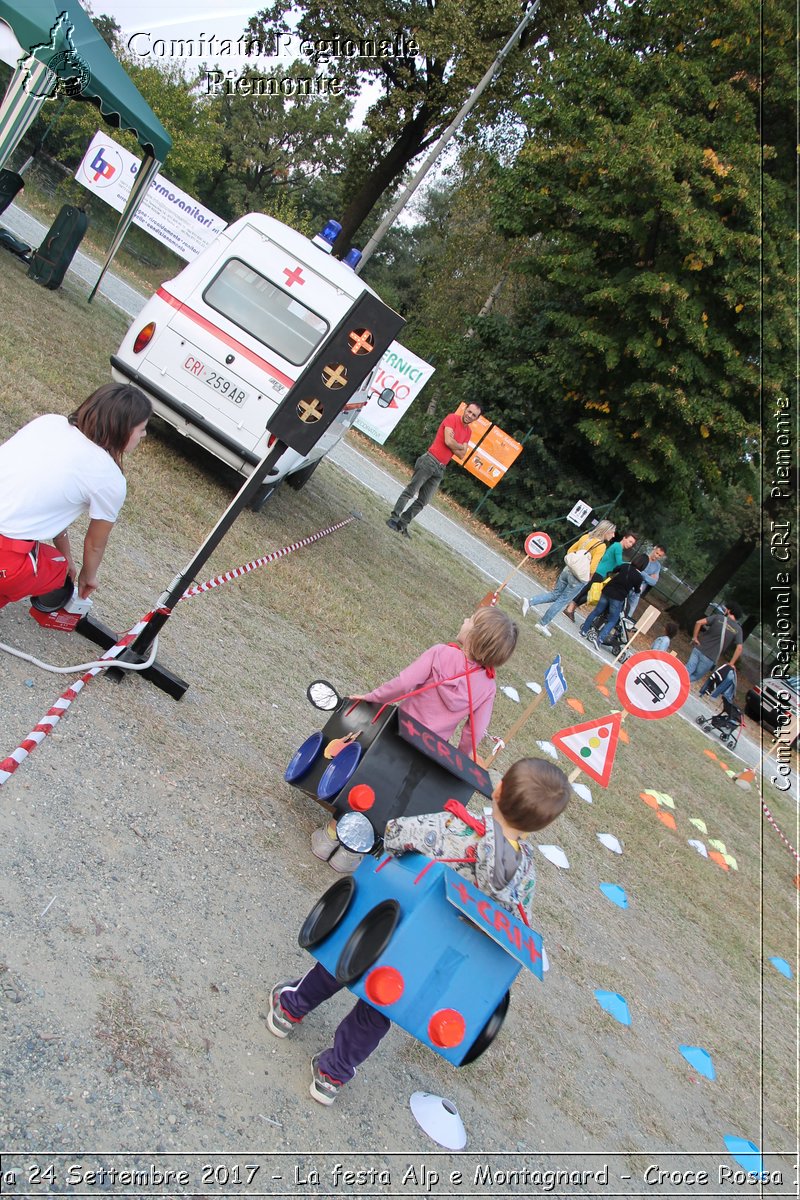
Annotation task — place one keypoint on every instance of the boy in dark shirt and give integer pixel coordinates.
(625, 579)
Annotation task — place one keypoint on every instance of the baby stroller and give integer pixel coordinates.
(727, 724)
(618, 638)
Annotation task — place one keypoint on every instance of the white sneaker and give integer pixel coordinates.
(345, 861)
(525, 606)
(543, 629)
(324, 841)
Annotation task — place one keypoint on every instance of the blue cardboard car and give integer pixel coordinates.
(420, 943)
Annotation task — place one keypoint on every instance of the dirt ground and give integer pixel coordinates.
(156, 872)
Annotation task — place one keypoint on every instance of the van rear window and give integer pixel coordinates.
(265, 311)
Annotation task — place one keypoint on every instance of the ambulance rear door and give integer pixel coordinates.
(242, 336)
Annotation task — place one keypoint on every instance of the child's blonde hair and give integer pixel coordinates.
(492, 638)
(532, 794)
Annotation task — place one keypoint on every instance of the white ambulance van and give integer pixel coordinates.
(217, 347)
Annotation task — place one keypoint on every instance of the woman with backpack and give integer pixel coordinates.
(580, 563)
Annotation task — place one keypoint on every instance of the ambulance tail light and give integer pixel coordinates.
(271, 440)
(144, 337)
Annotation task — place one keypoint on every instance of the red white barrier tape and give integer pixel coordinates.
(53, 715)
(237, 572)
(780, 834)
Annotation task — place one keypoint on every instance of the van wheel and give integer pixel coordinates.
(264, 493)
(299, 479)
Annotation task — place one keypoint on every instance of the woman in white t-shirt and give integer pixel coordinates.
(51, 471)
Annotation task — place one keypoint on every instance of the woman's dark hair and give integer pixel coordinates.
(110, 414)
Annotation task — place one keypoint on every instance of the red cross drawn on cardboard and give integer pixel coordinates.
(591, 746)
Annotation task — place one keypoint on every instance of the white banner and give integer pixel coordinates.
(167, 213)
(407, 375)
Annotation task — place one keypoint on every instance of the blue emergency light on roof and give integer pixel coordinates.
(328, 236)
(352, 258)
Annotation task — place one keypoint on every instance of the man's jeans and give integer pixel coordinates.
(698, 664)
(428, 472)
(567, 586)
(723, 691)
(614, 609)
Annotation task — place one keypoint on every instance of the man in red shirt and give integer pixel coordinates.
(451, 438)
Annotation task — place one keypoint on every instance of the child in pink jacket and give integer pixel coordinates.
(458, 682)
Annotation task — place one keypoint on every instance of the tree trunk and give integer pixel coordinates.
(382, 176)
(694, 606)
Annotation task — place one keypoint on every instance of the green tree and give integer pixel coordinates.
(416, 96)
(642, 186)
(273, 148)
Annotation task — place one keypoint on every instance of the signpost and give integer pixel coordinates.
(537, 545)
(579, 512)
(591, 746)
(490, 451)
(555, 687)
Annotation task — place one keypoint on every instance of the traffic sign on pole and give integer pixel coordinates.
(652, 684)
(538, 545)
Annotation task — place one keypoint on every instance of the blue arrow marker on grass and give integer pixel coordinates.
(700, 1059)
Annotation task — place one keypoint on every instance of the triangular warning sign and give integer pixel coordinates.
(591, 746)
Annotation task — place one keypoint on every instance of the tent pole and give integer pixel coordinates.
(144, 177)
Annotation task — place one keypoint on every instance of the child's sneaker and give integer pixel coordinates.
(344, 861)
(525, 605)
(278, 1020)
(324, 1088)
(324, 841)
(542, 629)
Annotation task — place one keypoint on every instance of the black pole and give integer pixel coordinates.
(168, 599)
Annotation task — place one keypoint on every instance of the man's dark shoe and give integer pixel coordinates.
(404, 531)
(393, 524)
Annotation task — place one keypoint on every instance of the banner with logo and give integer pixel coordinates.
(406, 374)
(166, 213)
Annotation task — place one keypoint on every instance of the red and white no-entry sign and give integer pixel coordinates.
(537, 545)
(652, 684)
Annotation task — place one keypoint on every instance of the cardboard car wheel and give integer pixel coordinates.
(368, 941)
(327, 912)
(489, 1032)
(339, 771)
(304, 757)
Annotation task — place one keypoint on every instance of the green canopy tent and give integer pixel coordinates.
(48, 41)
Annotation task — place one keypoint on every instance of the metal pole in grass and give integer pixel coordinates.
(169, 598)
